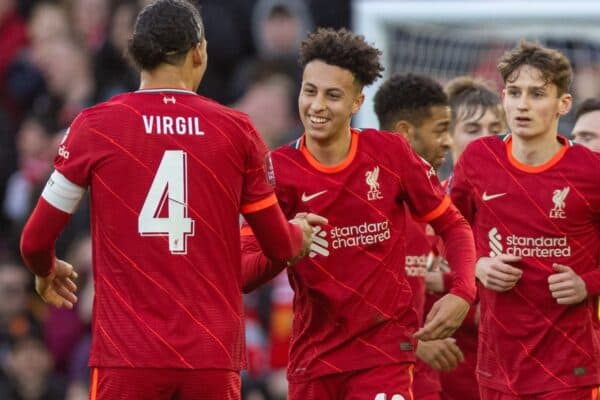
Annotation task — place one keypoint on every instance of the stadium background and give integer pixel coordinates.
(57, 57)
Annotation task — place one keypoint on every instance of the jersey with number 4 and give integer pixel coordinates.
(545, 214)
(169, 172)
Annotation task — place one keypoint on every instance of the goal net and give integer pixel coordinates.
(445, 39)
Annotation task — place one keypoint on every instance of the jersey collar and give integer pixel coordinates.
(331, 169)
(565, 144)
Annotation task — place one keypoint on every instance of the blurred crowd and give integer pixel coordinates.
(58, 57)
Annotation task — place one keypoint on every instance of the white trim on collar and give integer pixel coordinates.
(166, 90)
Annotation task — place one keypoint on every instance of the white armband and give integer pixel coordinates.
(62, 193)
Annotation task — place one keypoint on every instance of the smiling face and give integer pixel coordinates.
(329, 96)
(533, 105)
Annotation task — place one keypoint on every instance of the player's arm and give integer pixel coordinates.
(495, 273)
(258, 264)
(53, 280)
(448, 313)
(257, 269)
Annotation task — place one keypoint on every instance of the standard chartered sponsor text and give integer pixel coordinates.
(360, 235)
(541, 246)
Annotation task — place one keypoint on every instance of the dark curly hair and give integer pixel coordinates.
(554, 66)
(470, 96)
(164, 32)
(343, 49)
(408, 97)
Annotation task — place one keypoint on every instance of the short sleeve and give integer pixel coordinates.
(75, 157)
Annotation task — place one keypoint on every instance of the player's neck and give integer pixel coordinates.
(329, 152)
(535, 151)
(165, 77)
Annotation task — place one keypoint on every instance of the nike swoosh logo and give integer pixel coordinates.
(306, 197)
(487, 197)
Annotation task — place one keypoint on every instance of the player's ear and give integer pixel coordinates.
(405, 128)
(199, 54)
(565, 102)
(359, 99)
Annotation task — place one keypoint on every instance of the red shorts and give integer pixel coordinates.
(585, 393)
(164, 384)
(388, 382)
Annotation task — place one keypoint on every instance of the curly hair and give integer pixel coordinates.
(164, 32)
(470, 96)
(553, 65)
(408, 97)
(343, 49)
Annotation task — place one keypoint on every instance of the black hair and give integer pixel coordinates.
(408, 97)
(343, 49)
(164, 32)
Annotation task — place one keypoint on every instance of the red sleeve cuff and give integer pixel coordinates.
(465, 294)
(448, 278)
(38, 237)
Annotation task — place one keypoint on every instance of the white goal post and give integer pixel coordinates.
(509, 20)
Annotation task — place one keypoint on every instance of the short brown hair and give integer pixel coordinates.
(554, 66)
(344, 49)
(472, 96)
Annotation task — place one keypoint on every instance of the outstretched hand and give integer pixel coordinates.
(58, 288)
(446, 315)
(307, 221)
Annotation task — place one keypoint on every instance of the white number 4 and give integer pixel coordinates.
(169, 185)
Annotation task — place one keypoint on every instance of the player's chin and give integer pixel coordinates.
(317, 134)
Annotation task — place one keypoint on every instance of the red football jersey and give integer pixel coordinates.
(353, 304)
(420, 258)
(169, 172)
(547, 214)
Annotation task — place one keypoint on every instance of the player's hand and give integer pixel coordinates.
(306, 221)
(495, 273)
(441, 355)
(58, 288)
(444, 318)
(566, 286)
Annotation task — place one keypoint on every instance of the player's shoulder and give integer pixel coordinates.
(579, 155)
(481, 147)
(290, 150)
(93, 113)
(104, 107)
(377, 137)
(214, 108)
